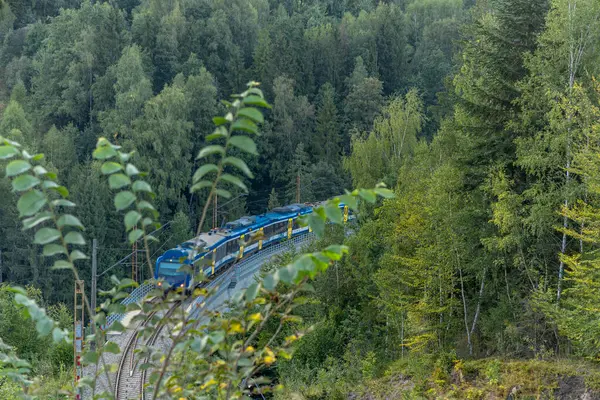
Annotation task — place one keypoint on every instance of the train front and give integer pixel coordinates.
(170, 270)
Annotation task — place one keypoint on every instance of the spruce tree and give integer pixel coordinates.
(328, 141)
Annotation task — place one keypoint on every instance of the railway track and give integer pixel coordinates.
(129, 382)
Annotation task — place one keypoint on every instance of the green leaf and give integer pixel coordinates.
(220, 132)
(117, 181)
(131, 170)
(112, 347)
(385, 193)
(78, 255)
(252, 113)
(270, 282)
(239, 164)
(147, 221)
(62, 203)
(62, 264)
(44, 326)
(338, 249)
(200, 185)
(244, 143)
(203, 170)
(24, 182)
(317, 224)
(90, 357)
(104, 152)
(135, 235)
(234, 180)
(124, 157)
(216, 337)
(334, 213)
(7, 152)
(110, 167)
(252, 89)
(131, 219)
(256, 101)
(29, 223)
(41, 171)
(69, 220)
(141, 186)
(124, 200)
(223, 193)
(218, 121)
(368, 195)
(49, 184)
(53, 249)
(252, 291)
(74, 238)
(246, 125)
(30, 203)
(350, 201)
(144, 205)
(285, 275)
(28, 156)
(17, 167)
(58, 335)
(212, 149)
(60, 190)
(46, 235)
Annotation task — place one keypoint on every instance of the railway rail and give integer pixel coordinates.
(130, 380)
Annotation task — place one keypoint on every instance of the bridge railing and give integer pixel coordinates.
(251, 265)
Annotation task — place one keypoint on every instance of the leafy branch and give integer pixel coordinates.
(242, 116)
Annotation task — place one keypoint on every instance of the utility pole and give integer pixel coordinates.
(94, 275)
(298, 188)
(78, 333)
(134, 266)
(215, 217)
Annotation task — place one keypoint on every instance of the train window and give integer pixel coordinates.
(220, 252)
(282, 227)
(232, 246)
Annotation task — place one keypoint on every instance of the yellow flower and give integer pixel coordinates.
(235, 327)
(209, 383)
(269, 357)
(255, 317)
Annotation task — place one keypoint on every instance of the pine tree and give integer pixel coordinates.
(299, 168)
(273, 200)
(263, 59)
(167, 46)
(359, 74)
(328, 142)
(14, 123)
(132, 89)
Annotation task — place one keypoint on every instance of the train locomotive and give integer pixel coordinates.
(221, 247)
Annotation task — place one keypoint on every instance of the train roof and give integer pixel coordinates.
(211, 239)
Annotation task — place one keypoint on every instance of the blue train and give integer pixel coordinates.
(222, 246)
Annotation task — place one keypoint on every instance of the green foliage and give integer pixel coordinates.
(482, 120)
(379, 156)
(222, 348)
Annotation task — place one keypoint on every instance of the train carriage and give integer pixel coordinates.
(215, 250)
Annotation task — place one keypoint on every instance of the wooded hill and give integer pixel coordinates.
(484, 118)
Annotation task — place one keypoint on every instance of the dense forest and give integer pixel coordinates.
(482, 116)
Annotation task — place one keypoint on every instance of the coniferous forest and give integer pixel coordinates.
(479, 278)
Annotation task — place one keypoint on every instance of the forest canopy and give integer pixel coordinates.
(482, 116)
